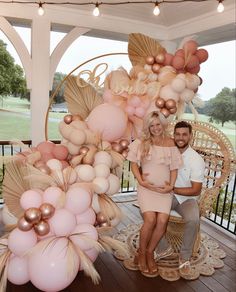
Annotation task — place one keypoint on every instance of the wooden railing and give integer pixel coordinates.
(224, 213)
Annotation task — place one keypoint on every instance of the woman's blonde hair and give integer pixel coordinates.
(146, 138)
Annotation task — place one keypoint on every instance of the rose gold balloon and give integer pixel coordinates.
(160, 103)
(117, 147)
(173, 110)
(32, 215)
(170, 103)
(68, 119)
(100, 218)
(156, 67)
(24, 225)
(45, 169)
(83, 150)
(125, 153)
(165, 112)
(150, 60)
(76, 118)
(160, 58)
(124, 143)
(42, 228)
(47, 210)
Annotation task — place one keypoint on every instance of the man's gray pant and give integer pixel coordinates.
(189, 211)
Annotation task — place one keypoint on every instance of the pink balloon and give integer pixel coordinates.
(168, 59)
(30, 199)
(21, 241)
(17, 272)
(108, 120)
(87, 217)
(62, 223)
(134, 101)
(64, 163)
(45, 147)
(78, 200)
(129, 110)
(178, 62)
(60, 152)
(140, 112)
(193, 62)
(202, 55)
(190, 46)
(107, 95)
(180, 53)
(81, 230)
(46, 156)
(49, 267)
(52, 195)
(194, 70)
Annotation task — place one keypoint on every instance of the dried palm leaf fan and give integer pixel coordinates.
(14, 185)
(140, 46)
(81, 97)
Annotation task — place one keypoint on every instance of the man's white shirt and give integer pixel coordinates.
(192, 170)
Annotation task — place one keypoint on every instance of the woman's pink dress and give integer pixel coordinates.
(157, 164)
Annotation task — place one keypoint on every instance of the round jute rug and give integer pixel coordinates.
(208, 258)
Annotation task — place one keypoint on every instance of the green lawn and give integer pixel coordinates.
(13, 125)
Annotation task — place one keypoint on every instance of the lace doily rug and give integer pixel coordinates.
(208, 258)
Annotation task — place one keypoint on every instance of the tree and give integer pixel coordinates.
(222, 108)
(12, 80)
(58, 77)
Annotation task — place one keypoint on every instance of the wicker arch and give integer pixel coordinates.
(63, 81)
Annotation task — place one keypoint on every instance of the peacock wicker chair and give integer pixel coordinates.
(219, 156)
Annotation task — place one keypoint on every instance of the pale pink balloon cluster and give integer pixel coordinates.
(45, 260)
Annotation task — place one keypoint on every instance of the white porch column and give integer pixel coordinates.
(40, 77)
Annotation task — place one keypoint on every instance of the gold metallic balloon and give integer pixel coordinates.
(160, 103)
(83, 150)
(100, 218)
(68, 119)
(42, 228)
(165, 112)
(156, 67)
(47, 210)
(117, 147)
(160, 58)
(24, 225)
(173, 110)
(125, 153)
(32, 215)
(150, 60)
(124, 143)
(170, 103)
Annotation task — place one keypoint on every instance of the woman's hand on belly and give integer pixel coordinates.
(146, 184)
(167, 188)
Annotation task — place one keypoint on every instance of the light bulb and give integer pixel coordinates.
(96, 11)
(220, 7)
(40, 9)
(156, 10)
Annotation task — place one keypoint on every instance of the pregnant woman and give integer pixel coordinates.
(154, 163)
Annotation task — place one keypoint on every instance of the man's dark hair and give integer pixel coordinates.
(183, 124)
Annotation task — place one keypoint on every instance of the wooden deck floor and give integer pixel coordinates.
(115, 278)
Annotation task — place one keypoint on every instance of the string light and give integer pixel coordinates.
(156, 10)
(40, 9)
(220, 7)
(96, 11)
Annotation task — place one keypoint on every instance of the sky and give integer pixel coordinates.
(217, 72)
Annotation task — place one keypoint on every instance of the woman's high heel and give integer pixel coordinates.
(152, 266)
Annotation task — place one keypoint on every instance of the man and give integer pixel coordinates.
(187, 188)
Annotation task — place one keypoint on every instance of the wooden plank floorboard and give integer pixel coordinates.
(224, 280)
(198, 286)
(212, 284)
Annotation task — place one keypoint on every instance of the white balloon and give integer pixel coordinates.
(178, 84)
(102, 170)
(79, 125)
(7, 217)
(187, 95)
(103, 157)
(77, 137)
(73, 149)
(167, 92)
(86, 173)
(114, 185)
(192, 81)
(65, 130)
(54, 164)
(100, 185)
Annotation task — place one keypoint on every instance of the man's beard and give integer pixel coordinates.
(182, 146)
